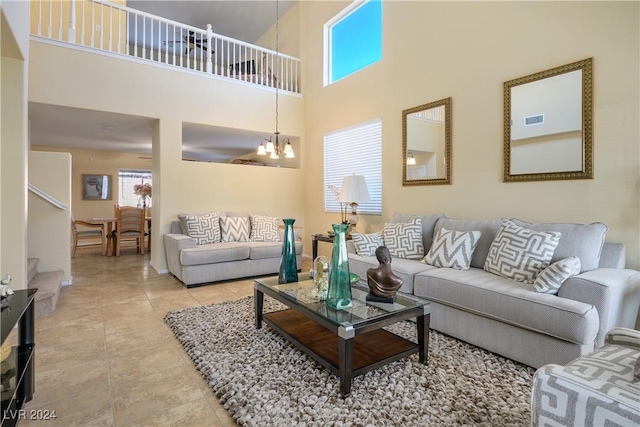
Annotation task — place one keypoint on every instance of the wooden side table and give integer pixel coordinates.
(315, 238)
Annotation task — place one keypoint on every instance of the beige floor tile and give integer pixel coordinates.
(191, 414)
(70, 320)
(146, 396)
(91, 335)
(123, 340)
(58, 383)
(90, 407)
(128, 365)
(69, 356)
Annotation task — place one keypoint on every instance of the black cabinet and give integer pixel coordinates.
(17, 369)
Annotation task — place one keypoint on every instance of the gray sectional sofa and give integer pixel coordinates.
(505, 316)
(195, 264)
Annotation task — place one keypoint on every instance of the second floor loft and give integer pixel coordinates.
(116, 30)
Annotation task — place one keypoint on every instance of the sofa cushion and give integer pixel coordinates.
(366, 244)
(214, 253)
(488, 228)
(264, 250)
(235, 229)
(264, 229)
(204, 229)
(582, 240)
(404, 239)
(485, 294)
(519, 253)
(452, 249)
(552, 277)
(428, 225)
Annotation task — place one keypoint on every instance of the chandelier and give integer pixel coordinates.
(273, 146)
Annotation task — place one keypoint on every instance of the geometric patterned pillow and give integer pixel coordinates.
(520, 254)
(366, 244)
(235, 229)
(552, 277)
(452, 249)
(204, 229)
(264, 229)
(404, 239)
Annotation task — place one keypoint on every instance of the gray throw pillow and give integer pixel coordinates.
(520, 254)
(204, 229)
(366, 244)
(552, 277)
(452, 249)
(235, 229)
(404, 239)
(264, 229)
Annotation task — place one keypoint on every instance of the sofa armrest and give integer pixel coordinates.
(623, 336)
(615, 293)
(173, 245)
(351, 247)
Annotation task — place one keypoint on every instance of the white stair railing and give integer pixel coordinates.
(120, 30)
(47, 197)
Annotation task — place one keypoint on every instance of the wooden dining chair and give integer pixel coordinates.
(88, 231)
(129, 226)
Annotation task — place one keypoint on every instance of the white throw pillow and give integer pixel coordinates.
(552, 277)
(452, 249)
(264, 229)
(235, 229)
(204, 229)
(366, 244)
(520, 254)
(404, 239)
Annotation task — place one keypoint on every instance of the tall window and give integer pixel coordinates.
(354, 150)
(353, 39)
(127, 178)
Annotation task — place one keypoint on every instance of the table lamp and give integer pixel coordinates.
(354, 190)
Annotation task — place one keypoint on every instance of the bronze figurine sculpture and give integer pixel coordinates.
(383, 283)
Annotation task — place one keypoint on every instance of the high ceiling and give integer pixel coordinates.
(56, 126)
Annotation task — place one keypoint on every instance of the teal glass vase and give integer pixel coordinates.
(339, 293)
(288, 263)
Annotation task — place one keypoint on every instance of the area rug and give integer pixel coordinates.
(263, 380)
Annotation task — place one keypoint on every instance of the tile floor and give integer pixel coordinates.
(106, 358)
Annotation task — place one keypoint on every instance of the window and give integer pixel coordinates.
(354, 150)
(353, 39)
(127, 178)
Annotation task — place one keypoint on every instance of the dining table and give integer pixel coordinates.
(109, 224)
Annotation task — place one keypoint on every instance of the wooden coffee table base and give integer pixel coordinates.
(345, 357)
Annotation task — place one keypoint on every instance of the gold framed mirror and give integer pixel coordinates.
(426, 144)
(548, 131)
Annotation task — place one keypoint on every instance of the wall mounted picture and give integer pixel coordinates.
(96, 187)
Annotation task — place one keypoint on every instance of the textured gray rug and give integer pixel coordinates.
(262, 380)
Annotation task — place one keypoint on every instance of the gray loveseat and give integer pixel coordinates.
(506, 316)
(195, 264)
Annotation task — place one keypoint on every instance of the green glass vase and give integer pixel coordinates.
(288, 263)
(339, 294)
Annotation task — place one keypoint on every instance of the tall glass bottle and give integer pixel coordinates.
(339, 294)
(288, 263)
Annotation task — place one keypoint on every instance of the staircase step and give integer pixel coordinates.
(32, 268)
(49, 284)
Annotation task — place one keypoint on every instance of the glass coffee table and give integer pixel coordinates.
(347, 342)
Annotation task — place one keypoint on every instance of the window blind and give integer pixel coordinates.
(354, 150)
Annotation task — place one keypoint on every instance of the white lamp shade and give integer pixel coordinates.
(270, 148)
(354, 189)
(262, 150)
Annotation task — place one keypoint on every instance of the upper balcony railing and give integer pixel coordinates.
(120, 30)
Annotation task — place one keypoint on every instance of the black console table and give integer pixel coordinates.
(17, 369)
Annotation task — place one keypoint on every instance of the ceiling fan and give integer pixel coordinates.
(190, 40)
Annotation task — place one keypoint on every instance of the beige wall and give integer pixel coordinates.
(480, 45)
(14, 59)
(49, 227)
(96, 163)
(67, 77)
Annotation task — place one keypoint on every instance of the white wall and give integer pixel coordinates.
(480, 45)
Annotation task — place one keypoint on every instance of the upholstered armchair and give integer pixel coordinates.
(596, 389)
(130, 223)
(88, 231)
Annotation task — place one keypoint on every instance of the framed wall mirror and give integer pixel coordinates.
(426, 144)
(548, 124)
